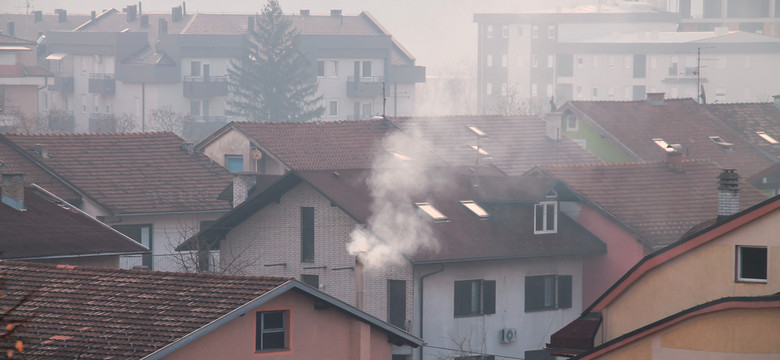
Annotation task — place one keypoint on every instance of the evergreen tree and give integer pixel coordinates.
(271, 80)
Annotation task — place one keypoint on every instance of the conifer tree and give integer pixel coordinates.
(272, 79)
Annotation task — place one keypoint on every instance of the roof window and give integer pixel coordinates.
(399, 155)
(431, 211)
(766, 137)
(722, 143)
(480, 150)
(479, 211)
(660, 142)
(477, 131)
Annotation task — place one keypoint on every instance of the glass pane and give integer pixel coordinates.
(475, 294)
(539, 217)
(274, 340)
(549, 291)
(273, 320)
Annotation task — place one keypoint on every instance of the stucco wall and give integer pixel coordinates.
(314, 334)
(236, 143)
(701, 275)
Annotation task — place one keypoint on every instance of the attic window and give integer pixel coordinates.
(751, 264)
(475, 208)
(546, 217)
(660, 142)
(722, 143)
(480, 150)
(431, 211)
(477, 131)
(399, 155)
(766, 137)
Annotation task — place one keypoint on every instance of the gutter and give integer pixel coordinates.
(174, 212)
(76, 256)
(422, 288)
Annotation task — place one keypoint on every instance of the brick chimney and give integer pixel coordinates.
(132, 13)
(13, 190)
(728, 193)
(62, 15)
(242, 183)
(552, 123)
(656, 98)
(674, 159)
(162, 28)
(11, 29)
(176, 14)
(37, 16)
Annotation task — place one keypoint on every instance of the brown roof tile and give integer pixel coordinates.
(133, 173)
(655, 203)
(92, 313)
(677, 121)
(13, 161)
(48, 229)
(747, 118)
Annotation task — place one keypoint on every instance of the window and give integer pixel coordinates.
(143, 235)
(334, 108)
(550, 61)
(307, 234)
(367, 68)
(535, 32)
(489, 89)
(431, 211)
(751, 264)
(234, 163)
(595, 92)
(489, 60)
(367, 109)
(610, 91)
(538, 355)
(194, 68)
(766, 137)
(551, 32)
(627, 61)
(477, 131)
(490, 31)
(334, 68)
(320, 68)
(547, 292)
(534, 90)
(475, 297)
(579, 62)
(611, 61)
(83, 103)
(194, 108)
(503, 60)
(546, 217)
(480, 150)
(549, 90)
(477, 210)
(396, 303)
(271, 329)
(571, 122)
(311, 280)
(504, 31)
(535, 61)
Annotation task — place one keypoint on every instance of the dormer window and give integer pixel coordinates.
(435, 214)
(546, 217)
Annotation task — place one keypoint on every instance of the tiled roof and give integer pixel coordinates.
(514, 143)
(677, 121)
(13, 161)
(652, 201)
(26, 28)
(133, 173)
(748, 118)
(326, 145)
(12, 40)
(92, 313)
(48, 229)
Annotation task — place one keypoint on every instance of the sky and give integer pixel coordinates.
(441, 34)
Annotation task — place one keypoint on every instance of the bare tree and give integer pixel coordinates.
(18, 122)
(203, 256)
(12, 320)
(165, 118)
(512, 102)
(123, 123)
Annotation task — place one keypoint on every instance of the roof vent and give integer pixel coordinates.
(335, 12)
(188, 147)
(42, 150)
(305, 12)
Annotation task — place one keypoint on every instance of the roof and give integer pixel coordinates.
(49, 228)
(514, 143)
(8, 40)
(329, 145)
(131, 314)
(133, 172)
(463, 237)
(672, 37)
(15, 160)
(634, 125)
(27, 28)
(749, 118)
(653, 202)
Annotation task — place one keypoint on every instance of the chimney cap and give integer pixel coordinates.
(335, 12)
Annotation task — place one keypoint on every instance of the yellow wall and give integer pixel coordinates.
(729, 334)
(698, 276)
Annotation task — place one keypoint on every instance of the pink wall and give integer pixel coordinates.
(623, 252)
(315, 334)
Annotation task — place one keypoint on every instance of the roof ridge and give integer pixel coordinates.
(81, 134)
(654, 162)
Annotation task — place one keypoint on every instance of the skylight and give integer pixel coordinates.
(766, 137)
(718, 140)
(481, 150)
(477, 131)
(399, 155)
(475, 208)
(660, 142)
(431, 211)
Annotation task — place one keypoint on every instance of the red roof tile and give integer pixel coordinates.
(748, 118)
(92, 313)
(13, 161)
(677, 121)
(48, 229)
(655, 203)
(133, 173)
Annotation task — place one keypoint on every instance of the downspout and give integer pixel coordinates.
(143, 107)
(422, 288)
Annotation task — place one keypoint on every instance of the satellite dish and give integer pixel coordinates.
(257, 154)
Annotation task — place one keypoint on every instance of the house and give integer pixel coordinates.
(20, 82)
(149, 186)
(626, 131)
(730, 288)
(38, 226)
(640, 208)
(400, 253)
(84, 312)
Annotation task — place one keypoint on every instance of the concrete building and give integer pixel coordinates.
(21, 81)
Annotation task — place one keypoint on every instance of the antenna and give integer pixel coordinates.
(699, 87)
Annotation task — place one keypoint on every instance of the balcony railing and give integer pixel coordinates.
(62, 83)
(364, 86)
(205, 86)
(102, 84)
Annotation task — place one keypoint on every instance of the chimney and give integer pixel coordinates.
(162, 28)
(131, 13)
(242, 183)
(144, 21)
(674, 159)
(305, 12)
(552, 122)
(139, 9)
(92, 15)
(336, 12)
(63, 15)
(11, 28)
(37, 16)
(176, 14)
(184, 8)
(728, 193)
(250, 24)
(42, 150)
(188, 147)
(656, 98)
(13, 190)
(776, 101)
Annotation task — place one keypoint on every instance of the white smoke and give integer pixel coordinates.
(396, 228)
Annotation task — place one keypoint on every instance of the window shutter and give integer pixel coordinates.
(534, 293)
(489, 297)
(564, 291)
(462, 297)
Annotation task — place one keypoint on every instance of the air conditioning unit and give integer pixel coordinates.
(508, 335)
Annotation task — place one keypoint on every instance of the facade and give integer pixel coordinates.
(736, 255)
(236, 317)
(21, 79)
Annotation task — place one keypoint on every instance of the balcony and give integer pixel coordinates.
(203, 87)
(364, 86)
(102, 84)
(62, 83)
(61, 121)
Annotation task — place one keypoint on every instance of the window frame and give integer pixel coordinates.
(320, 69)
(545, 228)
(562, 292)
(260, 330)
(147, 259)
(739, 262)
(312, 280)
(229, 157)
(307, 238)
(486, 291)
(396, 303)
